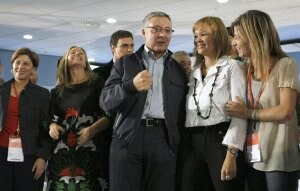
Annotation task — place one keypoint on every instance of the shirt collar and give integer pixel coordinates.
(221, 62)
(150, 55)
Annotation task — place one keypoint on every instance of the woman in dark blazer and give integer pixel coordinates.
(24, 142)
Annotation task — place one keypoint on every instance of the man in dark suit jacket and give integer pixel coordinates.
(121, 43)
(147, 91)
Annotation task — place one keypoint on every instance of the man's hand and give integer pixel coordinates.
(142, 81)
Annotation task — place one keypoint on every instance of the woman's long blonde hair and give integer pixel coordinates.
(259, 31)
(63, 76)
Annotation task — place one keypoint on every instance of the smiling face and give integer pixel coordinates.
(77, 58)
(241, 44)
(157, 34)
(203, 40)
(22, 68)
(233, 52)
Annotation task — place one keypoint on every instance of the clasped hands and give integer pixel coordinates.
(85, 134)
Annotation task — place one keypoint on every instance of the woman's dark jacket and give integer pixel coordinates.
(33, 112)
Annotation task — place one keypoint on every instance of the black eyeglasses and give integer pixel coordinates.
(158, 29)
(210, 96)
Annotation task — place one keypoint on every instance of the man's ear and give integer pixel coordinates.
(113, 49)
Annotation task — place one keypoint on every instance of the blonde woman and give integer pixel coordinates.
(272, 78)
(77, 122)
(215, 161)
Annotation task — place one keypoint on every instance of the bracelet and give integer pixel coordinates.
(233, 151)
(256, 115)
(253, 114)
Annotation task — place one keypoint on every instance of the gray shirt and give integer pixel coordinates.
(154, 104)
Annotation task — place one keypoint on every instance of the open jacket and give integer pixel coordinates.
(119, 95)
(33, 112)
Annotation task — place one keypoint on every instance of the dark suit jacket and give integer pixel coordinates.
(104, 71)
(119, 95)
(33, 112)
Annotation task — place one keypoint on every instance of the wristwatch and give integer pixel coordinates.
(233, 151)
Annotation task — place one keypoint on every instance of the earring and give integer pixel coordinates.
(12, 71)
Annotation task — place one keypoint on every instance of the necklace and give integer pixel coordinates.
(210, 95)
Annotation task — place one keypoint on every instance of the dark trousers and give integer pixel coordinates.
(184, 150)
(272, 181)
(145, 164)
(18, 176)
(202, 169)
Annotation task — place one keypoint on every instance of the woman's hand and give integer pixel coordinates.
(88, 133)
(55, 130)
(236, 109)
(229, 168)
(85, 135)
(39, 168)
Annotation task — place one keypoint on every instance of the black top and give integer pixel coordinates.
(78, 108)
(104, 71)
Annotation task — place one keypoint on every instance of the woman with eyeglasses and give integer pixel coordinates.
(216, 140)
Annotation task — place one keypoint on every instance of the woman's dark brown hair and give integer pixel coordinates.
(26, 51)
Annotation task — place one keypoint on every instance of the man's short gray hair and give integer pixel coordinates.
(154, 14)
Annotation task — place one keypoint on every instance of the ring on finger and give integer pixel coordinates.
(227, 177)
